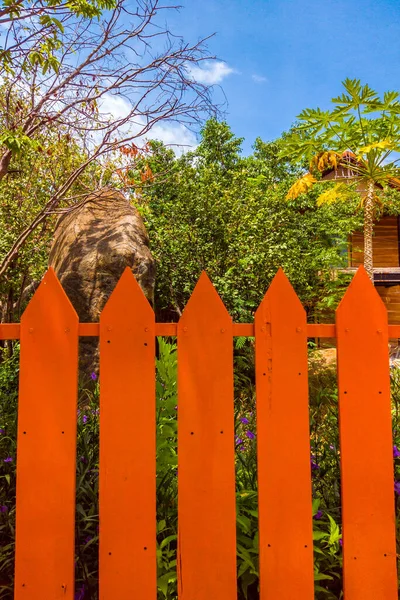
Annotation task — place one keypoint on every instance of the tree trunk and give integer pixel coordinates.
(368, 229)
(5, 163)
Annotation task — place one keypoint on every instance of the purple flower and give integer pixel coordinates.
(250, 435)
(93, 376)
(2, 431)
(8, 459)
(83, 459)
(332, 447)
(396, 452)
(318, 514)
(3, 509)
(314, 465)
(241, 448)
(397, 487)
(245, 421)
(80, 593)
(175, 408)
(239, 440)
(340, 542)
(84, 419)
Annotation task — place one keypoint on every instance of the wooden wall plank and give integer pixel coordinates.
(385, 244)
(127, 485)
(369, 544)
(391, 297)
(283, 438)
(206, 471)
(45, 518)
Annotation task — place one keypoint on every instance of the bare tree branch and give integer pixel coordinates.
(115, 79)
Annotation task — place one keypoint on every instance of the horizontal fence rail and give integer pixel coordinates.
(11, 331)
(206, 556)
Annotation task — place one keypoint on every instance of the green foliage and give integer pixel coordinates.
(38, 23)
(39, 166)
(214, 210)
(360, 121)
(324, 463)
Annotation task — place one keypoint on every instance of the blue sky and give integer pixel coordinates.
(285, 55)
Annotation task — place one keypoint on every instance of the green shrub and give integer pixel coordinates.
(325, 466)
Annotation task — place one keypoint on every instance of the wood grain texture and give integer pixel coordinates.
(285, 525)
(45, 518)
(206, 464)
(127, 445)
(385, 244)
(369, 544)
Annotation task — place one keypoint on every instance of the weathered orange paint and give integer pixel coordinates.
(369, 544)
(283, 439)
(127, 446)
(44, 566)
(206, 463)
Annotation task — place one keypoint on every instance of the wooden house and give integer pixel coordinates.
(386, 261)
(386, 248)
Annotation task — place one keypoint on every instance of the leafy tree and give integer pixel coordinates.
(35, 174)
(215, 210)
(36, 27)
(359, 138)
(105, 82)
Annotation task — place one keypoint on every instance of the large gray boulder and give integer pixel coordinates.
(93, 244)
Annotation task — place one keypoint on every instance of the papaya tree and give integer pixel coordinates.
(357, 141)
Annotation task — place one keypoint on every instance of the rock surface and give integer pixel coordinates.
(92, 245)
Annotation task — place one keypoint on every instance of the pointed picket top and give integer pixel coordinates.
(362, 297)
(127, 387)
(369, 542)
(285, 559)
(127, 298)
(205, 301)
(46, 446)
(50, 302)
(282, 298)
(206, 460)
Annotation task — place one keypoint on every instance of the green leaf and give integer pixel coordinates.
(167, 540)
(315, 505)
(321, 576)
(319, 535)
(334, 531)
(164, 581)
(161, 526)
(244, 523)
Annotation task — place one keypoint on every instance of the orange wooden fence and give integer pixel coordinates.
(49, 333)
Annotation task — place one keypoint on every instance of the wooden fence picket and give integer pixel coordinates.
(283, 446)
(206, 463)
(369, 544)
(46, 446)
(206, 557)
(127, 491)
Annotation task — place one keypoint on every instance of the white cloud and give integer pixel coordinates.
(259, 78)
(210, 72)
(114, 106)
(175, 135)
